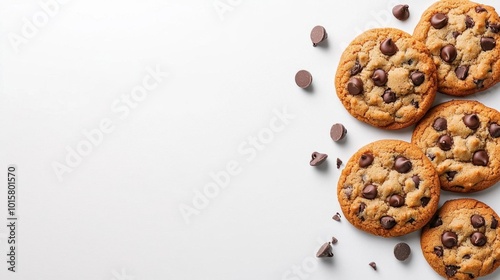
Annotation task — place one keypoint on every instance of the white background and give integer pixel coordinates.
(116, 214)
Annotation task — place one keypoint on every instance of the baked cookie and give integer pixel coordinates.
(462, 241)
(386, 78)
(461, 138)
(388, 188)
(461, 37)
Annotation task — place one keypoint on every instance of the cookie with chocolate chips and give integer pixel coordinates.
(462, 241)
(386, 78)
(388, 188)
(461, 36)
(462, 140)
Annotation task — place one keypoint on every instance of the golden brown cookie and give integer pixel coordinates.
(388, 188)
(462, 241)
(461, 36)
(461, 138)
(386, 78)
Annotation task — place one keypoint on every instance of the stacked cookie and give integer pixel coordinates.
(389, 79)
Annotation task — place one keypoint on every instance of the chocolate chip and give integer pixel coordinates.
(388, 47)
(389, 96)
(356, 68)
(318, 35)
(317, 158)
(410, 61)
(494, 27)
(440, 124)
(469, 22)
(478, 239)
(450, 175)
(435, 222)
(362, 207)
(303, 79)
(402, 164)
(494, 223)
(373, 265)
(438, 250)
(439, 20)
(416, 180)
(365, 160)
(479, 83)
(396, 200)
(402, 251)
(488, 43)
(379, 77)
(466, 257)
(424, 201)
(431, 156)
(451, 270)
(449, 239)
(355, 86)
(339, 163)
(414, 103)
(387, 222)
(411, 220)
(480, 158)
(480, 9)
(338, 132)
(445, 142)
(471, 121)
(325, 251)
(449, 53)
(417, 78)
(334, 240)
(348, 191)
(336, 217)
(462, 72)
(494, 130)
(477, 221)
(455, 34)
(370, 191)
(401, 12)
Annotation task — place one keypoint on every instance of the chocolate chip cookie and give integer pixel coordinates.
(461, 138)
(462, 241)
(386, 78)
(461, 37)
(388, 188)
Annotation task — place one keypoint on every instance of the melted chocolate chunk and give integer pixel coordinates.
(356, 69)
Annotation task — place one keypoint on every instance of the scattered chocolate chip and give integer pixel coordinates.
(389, 96)
(494, 130)
(449, 53)
(414, 103)
(317, 158)
(466, 257)
(477, 221)
(424, 201)
(445, 142)
(402, 164)
(388, 47)
(325, 251)
(396, 200)
(478, 239)
(462, 72)
(451, 270)
(365, 160)
(494, 223)
(401, 12)
(356, 68)
(440, 124)
(339, 163)
(334, 240)
(488, 43)
(337, 132)
(355, 86)
(402, 251)
(336, 217)
(373, 265)
(303, 79)
(417, 78)
(449, 239)
(438, 250)
(362, 207)
(439, 20)
(318, 35)
(479, 83)
(471, 121)
(370, 191)
(455, 34)
(480, 158)
(387, 222)
(450, 175)
(469, 22)
(494, 27)
(416, 180)
(379, 77)
(480, 9)
(435, 222)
